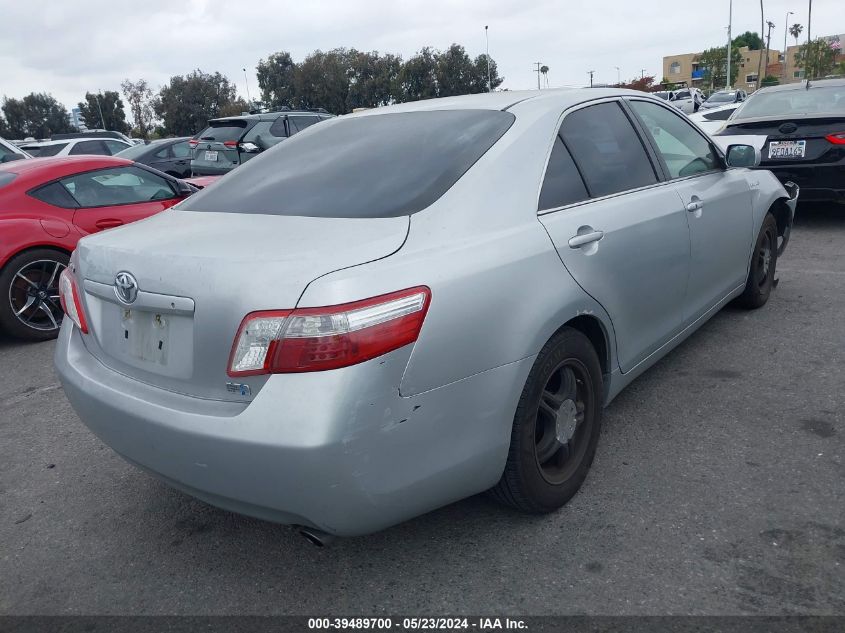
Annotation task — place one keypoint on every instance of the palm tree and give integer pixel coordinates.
(545, 71)
(795, 31)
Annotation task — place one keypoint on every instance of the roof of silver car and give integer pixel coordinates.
(503, 100)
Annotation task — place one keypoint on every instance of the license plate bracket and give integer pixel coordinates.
(787, 149)
(211, 155)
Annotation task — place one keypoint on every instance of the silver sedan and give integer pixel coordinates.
(406, 306)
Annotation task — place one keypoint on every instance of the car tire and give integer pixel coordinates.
(556, 427)
(761, 274)
(32, 276)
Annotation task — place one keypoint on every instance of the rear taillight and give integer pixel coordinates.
(71, 304)
(836, 139)
(230, 144)
(193, 142)
(317, 339)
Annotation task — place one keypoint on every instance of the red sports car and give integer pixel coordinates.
(46, 205)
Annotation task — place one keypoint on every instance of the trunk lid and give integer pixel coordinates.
(782, 135)
(197, 275)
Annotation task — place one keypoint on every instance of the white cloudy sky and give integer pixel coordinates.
(66, 47)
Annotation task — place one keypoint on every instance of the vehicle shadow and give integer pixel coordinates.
(815, 215)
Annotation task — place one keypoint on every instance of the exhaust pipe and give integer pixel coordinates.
(315, 536)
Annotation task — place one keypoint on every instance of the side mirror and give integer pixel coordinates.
(742, 156)
(185, 189)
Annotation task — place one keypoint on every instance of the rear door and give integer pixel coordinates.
(620, 232)
(118, 195)
(718, 203)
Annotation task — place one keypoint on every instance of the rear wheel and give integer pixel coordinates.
(761, 275)
(556, 427)
(29, 294)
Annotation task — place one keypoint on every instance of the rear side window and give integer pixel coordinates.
(607, 150)
(374, 166)
(562, 184)
(223, 131)
(55, 194)
(180, 150)
(90, 147)
(299, 123)
(45, 150)
(278, 127)
(115, 146)
(258, 131)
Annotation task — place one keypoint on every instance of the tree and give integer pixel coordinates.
(187, 102)
(454, 72)
(545, 72)
(235, 108)
(140, 99)
(103, 110)
(713, 62)
(795, 31)
(752, 40)
(817, 58)
(322, 80)
(481, 74)
(38, 115)
(770, 80)
(418, 77)
(643, 84)
(277, 80)
(373, 79)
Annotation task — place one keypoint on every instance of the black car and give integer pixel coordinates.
(170, 155)
(231, 141)
(804, 129)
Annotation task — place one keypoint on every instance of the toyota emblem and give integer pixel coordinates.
(125, 287)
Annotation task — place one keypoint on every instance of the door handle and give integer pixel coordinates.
(108, 223)
(577, 241)
(695, 205)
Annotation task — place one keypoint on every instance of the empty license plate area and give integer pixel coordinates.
(145, 335)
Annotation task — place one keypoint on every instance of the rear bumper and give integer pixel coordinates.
(818, 183)
(205, 169)
(341, 451)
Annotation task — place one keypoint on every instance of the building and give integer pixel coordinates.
(74, 117)
(685, 68)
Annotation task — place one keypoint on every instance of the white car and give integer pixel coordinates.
(75, 146)
(713, 120)
(687, 100)
(10, 152)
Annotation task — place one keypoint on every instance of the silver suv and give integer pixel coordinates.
(230, 141)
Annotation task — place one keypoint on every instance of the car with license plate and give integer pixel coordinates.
(722, 98)
(75, 147)
(46, 206)
(231, 141)
(170, 155)
(800, 131)
(342, 344)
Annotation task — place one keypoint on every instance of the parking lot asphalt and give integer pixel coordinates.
(718, 488)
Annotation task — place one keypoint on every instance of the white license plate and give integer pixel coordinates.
(145, 335)
(787, 149)
(211, 156)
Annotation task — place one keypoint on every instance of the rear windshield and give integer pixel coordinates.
(375, 166)
(223, 131)
(45, 150)
(818, 100)
(136, 151)
(722, 97)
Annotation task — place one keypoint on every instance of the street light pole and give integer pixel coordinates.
(246, 83)
(590, 72)
(618, 75)
(489, 80)
(785, 32)
(730, 18)
(102, 120)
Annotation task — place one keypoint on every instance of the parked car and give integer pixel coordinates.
(724, 97)
(170, 155)
(10, 152)
(231, 141)
(75, 147)
(800, 130)
(343, 344)
(713, 120)
(687, 100)
(46, 205)
(120, 136)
